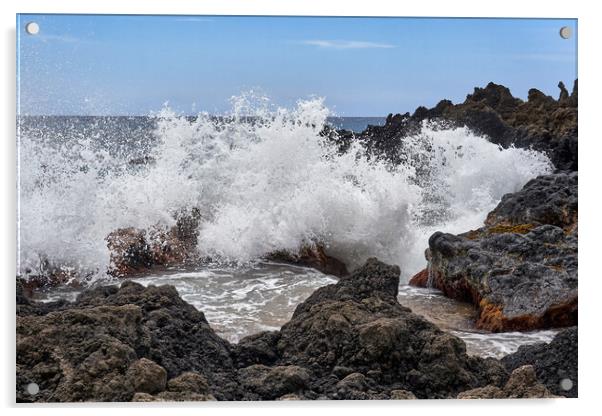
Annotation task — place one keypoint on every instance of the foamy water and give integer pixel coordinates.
(273, 184)
(262, 186)
(243, 300)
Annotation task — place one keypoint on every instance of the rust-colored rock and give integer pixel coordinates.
(135, 251)
(520, 269)
(420, 279)
(312, 256)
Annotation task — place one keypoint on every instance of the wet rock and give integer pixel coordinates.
(420, 279)
(349, 340)
(312, 256)
(520, 270)
(134, 251)
(541, 123)
(522, 383)
(147, 376)
(555, 363)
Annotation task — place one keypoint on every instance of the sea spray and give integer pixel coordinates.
(264, 179)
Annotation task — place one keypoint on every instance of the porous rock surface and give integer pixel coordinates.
(555, 363)
(520, 269)
(541, 123)
(349, 340)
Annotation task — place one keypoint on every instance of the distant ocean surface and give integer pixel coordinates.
(356, 124)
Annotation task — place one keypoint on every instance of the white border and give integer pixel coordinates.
(590, 71)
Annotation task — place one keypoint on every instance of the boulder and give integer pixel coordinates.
(311, 256)
(555, 363)
(522, 384)
(547, 199)
(114, 341)
(146, 376)
(358, 324)
(134, 251)
(272, 382)
(520, 270)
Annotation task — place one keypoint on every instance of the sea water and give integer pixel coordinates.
(264, 179)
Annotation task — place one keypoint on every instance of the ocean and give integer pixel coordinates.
(262, 182)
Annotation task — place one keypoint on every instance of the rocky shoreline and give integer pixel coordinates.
(520, 269)
(349, 340)
(352, 339)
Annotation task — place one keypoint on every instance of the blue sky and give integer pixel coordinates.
(87, 64)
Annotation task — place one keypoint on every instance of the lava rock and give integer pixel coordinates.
(82, 351)
(555, 363)
(358, 324)
(312, 256)
(547, 199)
(147, 376)
(541, 123)
(272, 382)
(522, 384)
(134, 251)
(349, 340)
(520, 270)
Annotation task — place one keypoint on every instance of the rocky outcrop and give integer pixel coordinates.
(134, 251)
(522, 384)
(114, 342)
(550, 199)
(187, 387)
(520, 270)
(311, 256)
(555, 363)
(542, 123)
(349, 340)
(357, 342)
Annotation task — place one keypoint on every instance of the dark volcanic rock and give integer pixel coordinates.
(358, 324)
(522, 384)
(134, 251)
(550, 199)
(312, 256)
(521, 268)
(349, 340)
(555, 363)
(89, 350)
(541, 123)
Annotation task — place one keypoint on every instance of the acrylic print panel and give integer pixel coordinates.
(295, 208)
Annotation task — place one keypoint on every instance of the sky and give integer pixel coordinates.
(133, 65)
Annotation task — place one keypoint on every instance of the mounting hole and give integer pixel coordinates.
(565, 32)
(32, 389)
(566, 384)
(32, 28)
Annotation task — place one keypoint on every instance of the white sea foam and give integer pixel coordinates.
(261, 186)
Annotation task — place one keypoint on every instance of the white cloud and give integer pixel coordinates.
(346, 44)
